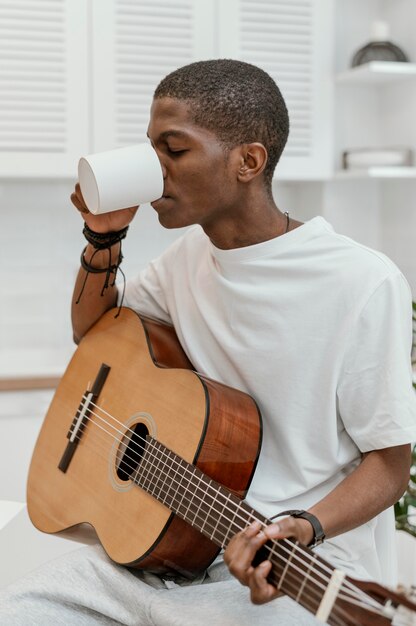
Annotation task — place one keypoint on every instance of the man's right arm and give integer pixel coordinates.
(89, 300)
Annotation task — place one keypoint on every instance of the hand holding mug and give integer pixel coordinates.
(112, 184)
(106, 222)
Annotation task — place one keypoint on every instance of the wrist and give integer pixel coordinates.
(305, 534)
(103, 241)
(102, 255)
(318, 534)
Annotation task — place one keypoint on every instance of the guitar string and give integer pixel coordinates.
(354, 589)
(292, 585)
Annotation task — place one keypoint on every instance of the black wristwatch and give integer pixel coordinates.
(318, 531)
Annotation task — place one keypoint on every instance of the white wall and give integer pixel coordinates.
(21, 416)
(40, 243)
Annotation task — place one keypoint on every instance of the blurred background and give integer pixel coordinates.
(77, 76)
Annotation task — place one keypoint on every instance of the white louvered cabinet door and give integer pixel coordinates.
(135, 44)
(292, 41)
(43, 87)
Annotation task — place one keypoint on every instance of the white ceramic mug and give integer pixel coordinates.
(120, 178)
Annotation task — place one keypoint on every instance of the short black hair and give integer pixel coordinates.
(237, 101)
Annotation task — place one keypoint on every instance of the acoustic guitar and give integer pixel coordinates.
(157, 459)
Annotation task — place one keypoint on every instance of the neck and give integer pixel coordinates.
(249, 221)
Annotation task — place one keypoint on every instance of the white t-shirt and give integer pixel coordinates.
(317, 328)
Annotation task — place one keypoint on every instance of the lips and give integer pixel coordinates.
(160, 201)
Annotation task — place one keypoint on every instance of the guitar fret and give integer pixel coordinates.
(201, 502)
(286, 567)
(185, 506)
(186, 514)
(207, 506)
(157, 476)
(210, 517)
(305, 579)
(149, 468)
(235, 524)
(167, 472)
(220, 516)
(177, 506)
(143, 471)
(176, 478)
(295, 577)
(211, 508)
(170, 474)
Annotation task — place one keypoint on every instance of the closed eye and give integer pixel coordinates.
(175, 152)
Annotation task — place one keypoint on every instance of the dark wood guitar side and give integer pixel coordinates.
(150, 381)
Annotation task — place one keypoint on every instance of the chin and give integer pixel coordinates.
(169, 221)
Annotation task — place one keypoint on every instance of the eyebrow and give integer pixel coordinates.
(171, 133)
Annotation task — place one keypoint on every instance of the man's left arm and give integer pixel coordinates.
(377, 483)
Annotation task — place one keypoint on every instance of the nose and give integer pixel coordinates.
(162, 165)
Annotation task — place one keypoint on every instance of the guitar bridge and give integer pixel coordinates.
(82, 415)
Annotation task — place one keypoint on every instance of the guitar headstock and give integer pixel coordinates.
(389, 607)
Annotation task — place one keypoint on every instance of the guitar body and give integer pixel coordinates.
(151, 384)
(135, 442)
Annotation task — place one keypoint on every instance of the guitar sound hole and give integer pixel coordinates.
(131, 451)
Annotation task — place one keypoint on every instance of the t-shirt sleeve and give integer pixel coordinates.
(376, 399)
(145, 294)
(148, 292)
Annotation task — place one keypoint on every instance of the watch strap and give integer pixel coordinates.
(318, 531)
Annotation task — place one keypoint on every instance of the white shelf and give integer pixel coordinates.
(377, 172)
(377, 72)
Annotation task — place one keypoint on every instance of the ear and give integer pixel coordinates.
(253, 158)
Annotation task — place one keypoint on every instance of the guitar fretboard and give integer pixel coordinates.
(219, 514)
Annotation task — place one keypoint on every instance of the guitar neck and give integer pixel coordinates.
(218, 514)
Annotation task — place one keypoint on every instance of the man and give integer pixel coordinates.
(316, 327)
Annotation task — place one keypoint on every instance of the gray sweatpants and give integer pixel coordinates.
(85, 587)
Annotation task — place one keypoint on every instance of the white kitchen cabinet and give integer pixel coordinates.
(78, 75)
(43, 87)
(134, 45)
(292, 41)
